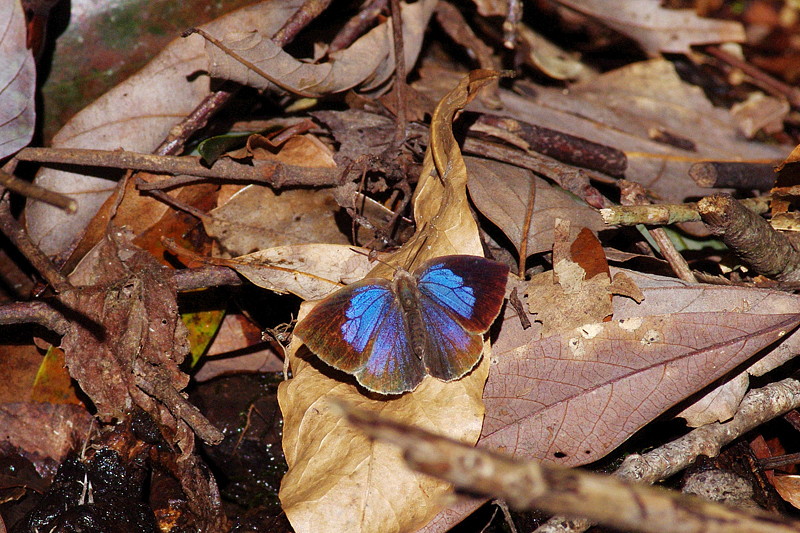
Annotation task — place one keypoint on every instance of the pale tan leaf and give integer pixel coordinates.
(338, 475)
(658, 29)
(367, 63)
(719, 405)
(311, 271)
(789, 488)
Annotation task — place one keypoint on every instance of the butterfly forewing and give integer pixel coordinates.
(470, 288)
(359, 330)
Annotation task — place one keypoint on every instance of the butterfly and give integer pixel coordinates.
(390, 334)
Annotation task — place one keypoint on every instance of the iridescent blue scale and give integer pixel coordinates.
(390, 334)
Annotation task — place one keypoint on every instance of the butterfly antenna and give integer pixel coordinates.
(372, 255)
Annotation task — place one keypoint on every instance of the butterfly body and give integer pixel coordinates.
(390, 334)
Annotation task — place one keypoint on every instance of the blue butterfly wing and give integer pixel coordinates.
(359, 330)
(450, 351)
(460, 296)
(470, 288)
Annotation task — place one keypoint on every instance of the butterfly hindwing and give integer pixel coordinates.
(359, 330)
(451, 351)
(469, 288)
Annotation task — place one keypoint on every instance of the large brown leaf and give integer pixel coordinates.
(573, 397)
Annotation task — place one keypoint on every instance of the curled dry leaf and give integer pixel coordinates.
(367, 63)
(659, 29)
(136, 115)
(17, 81)
(338, 479)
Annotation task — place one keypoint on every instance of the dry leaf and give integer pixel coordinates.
(44, 432)
(311, 271)
(336, 474)
(658, 29)
(135, 115)
(788, 487)
(620, 107)
(17, 81)
(257, 218)
(500, 192)
(367, 63)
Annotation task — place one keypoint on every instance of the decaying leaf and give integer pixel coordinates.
(659, 29)
(335, 473)
(17, 81)
(367, 63)
(579, 288)
(126, 340)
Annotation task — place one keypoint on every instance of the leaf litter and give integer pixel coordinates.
(609, 350)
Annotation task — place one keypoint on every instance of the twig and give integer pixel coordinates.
(662, 214)
(769, 252)
(189, 279)
(357, 25)
(563, 146)
(150, 381)
(760, 78)
(400, 86)
(513, 18)
(34, 313)
(735, 175)
(301, 18)
(194, 121)
(633, 193)
(526, 227)
(758, 407)
(550, 488)
(269, 172)
(12, 229)
(33, 191)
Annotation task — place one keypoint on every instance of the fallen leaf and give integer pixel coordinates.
(500, 192)
(17, 81)
(136, 115)
(367, 63)
(44, 432)
(659, 29)
(788, 486)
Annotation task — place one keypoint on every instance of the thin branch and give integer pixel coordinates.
(357, 25)
(37, 312)
(268, 172)
(400, 87)
(550, 488)
(33, 191)
(769, 252)
(633, 193)
(758, 407)
(12, 229)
